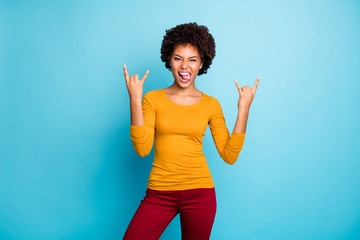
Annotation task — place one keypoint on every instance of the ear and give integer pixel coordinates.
(201, 65)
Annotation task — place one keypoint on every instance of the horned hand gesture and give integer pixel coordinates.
(134, 85)
(247, 95)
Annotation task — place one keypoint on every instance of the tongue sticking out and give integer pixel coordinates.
(186, 77)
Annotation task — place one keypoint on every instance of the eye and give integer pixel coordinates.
(177, 59)
(193, 60)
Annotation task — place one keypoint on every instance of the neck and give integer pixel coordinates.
(176, 89)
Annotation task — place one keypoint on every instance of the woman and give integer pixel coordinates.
(175, 118)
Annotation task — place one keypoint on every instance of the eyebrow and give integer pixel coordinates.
(182, 57)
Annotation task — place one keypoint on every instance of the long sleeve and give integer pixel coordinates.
(228, 146)
(142, 136)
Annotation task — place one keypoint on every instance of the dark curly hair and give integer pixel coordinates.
(196, 35)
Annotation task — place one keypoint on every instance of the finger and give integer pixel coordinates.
(238, 87)
(237, 84)
(256, 84)
(126, 73)
(145, 76)
(241, 91)
(136, 77)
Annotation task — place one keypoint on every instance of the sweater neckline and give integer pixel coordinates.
(168, 99)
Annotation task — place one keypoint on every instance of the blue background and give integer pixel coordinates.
(68, 169)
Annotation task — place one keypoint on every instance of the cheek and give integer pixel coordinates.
(197, 67)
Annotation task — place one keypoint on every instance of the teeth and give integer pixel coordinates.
(184, 74)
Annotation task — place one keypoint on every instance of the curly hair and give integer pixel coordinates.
(196, 35)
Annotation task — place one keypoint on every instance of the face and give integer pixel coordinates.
(185, 64)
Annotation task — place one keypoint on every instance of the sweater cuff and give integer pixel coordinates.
(135, 128)
(238, 135)
(237, 140)
(137, 132)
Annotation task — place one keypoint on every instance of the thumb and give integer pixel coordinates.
(145, 76)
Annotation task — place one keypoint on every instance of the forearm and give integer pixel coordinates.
(136, 112)
(241, 121)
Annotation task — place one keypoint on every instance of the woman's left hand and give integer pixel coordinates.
(247, 95)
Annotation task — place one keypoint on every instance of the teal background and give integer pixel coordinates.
(67, 166)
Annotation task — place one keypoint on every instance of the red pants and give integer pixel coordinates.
(197, 208)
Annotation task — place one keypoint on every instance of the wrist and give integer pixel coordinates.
(244, 110)
(135, 101)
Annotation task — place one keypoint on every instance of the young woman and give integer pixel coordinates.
(175, 118)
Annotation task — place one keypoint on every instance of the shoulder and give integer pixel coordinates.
(153, 94)
(153, 98)
(211, 100)
(212, 104)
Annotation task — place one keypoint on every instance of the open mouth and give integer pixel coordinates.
(185, 76)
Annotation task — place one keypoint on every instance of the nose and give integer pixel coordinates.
(183, 65)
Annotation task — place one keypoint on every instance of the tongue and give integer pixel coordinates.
(185, 77)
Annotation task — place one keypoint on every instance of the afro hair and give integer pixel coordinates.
(196, 35)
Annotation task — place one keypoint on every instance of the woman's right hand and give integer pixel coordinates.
(134, 85)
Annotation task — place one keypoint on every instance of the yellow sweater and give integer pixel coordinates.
(178, 130)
